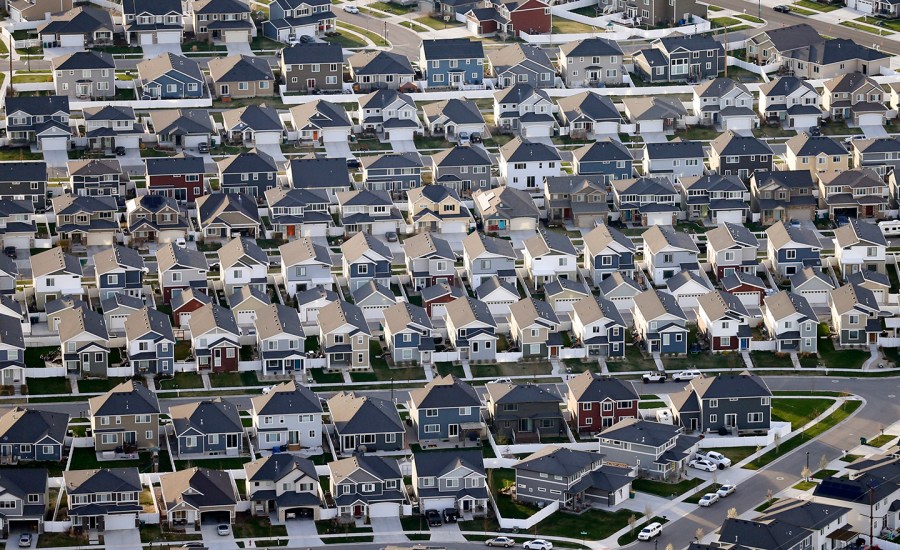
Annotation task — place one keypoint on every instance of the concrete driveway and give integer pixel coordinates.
(654, 137)
(50, 53)
(214, 541)
(873, 131)
(12, 542)
(448, 532)
(403, 146)
(335, 149)
(387, 530)
(132, 162)
(129, 539)
(273, 150)
(156, 50)
(302, 533)
(55, 158)
(242, 47)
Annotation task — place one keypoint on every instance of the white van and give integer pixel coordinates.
(650, 531)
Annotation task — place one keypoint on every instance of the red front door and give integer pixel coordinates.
(357, 510)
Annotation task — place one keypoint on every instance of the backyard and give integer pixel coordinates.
(84, 458)
(798, 411)
(663, 488)
(500, 479)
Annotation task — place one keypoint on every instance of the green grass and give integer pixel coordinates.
(136, 50)
(322, 377)
(227, 463)
(510, 369)
(182, 381)
(714, 8)
(695, 498)
(21, 153)
(328, 527)
(892, 24)
(664, 489)
(508, 508)
(261, 42)
(881, 440)
(841, 359)
(705, 361)
(48, 386)
(392, 8)
(798, 412)
(33, 355)
(776, 132)
(769, 360)
(567, 26)
(699, 133)
(736, 454)
(154, 533)
(718, 22)
(598, 524)
(651, 404)
(866, 28)
(631, 535)
(838, 129)
(247, 527)
(98, 385)
(633, 361)
(345, 41)
(751, 18)
(449, 368)
(810, 4)
(804, 485)
(438, 24)
(202, 46)
(23, 77)
(766, 505)
(233, 379)
(375, 38)
(801, 11)
(84, 458)
(822, 474)
(850, 458)
(54, 540)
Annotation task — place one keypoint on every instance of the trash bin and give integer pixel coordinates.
(862, 440)
(631, 494)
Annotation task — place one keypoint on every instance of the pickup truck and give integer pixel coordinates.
(654, 377)
(718, 459)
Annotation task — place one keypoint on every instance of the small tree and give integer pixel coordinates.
(698, 534)
(670, 547)
(648, 511)
(806, 473)
(632, 519)
(823, 462)
(769, 496)
(732, 513)
(777, 441)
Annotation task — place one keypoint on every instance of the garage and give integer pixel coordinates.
(314, 230)
(18, 241)
(335, 135)
(112, 522)
(729, 216)
(523, 224)
(100, 238)
(533, 131)
(71, 40)
(192, 142)
(246, 317)
(373, 313)
(879, 296)
(25, 526)
(438, 311)
(400, 135)
(168, 37)
(117, 322)
(215, 517)
(146, 38)
(183, 319)
(384, 510)
(738, 123)
(749, 299)
(438, 504)
(267, 138)
(870, 119)
(236, 37)
(54, 143)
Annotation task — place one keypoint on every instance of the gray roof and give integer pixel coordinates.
(676, 149)
(589, 387)
(523, 150)
(318, 173)
(549, 242)
(379, 467)
(718, 87)
(53, 261)
(851, 297)
(287, 398)
(73, 322)
(260, 118)
(593, 308)
(461, 156)
(477, 243)
(808, 274)
(518, 93)
(591, 47)
(728, 235)
(129, 397)
(22, 482)
(147, 320)
(653, 304)
(440, 463)
(726, 386)
(508, 393)
(682, 278)
(643, 186)
(769, 535)
(303, 249)
(403, 314)
(804, 145)
(37, 105)
(806, 514)
(615, 280)
(780, 234)
(181, 122)
(31, 426)
(384, 97)
(338, 313)
(370, 288)
(198, 487)
(392, 160)
(602, 236)
(589, 105)
(791, 37)
(115, 257)
(433, 292)
(653, 107)
(170, 256)
(354, 414)
(453, 48)
(155, 67)
(527, 56)
(528, 311)
(174, 165)
(444, 392)
(276, 466)
(859, 233)
(320, 114)
(561, 461)
(214, 416)
(732, 144)
(659, 237)
(361, 243)
(11, 334)
(465, 310)
(380, 63)
(784, 304)
(491, 284)
(602, 150)
(641, 432)
(505, 202)
(738, 278)
(460, 111)
(210, 316)
(105, 480)
(311, 53)
(121, 300)
(227, 209)
(248, 162)
(866, 276)
(78, 61)
(784, 85)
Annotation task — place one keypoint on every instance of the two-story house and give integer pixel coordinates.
(119, 270)
(715, 199)
(452, 62)
(299, 212)
(26, 496)
(149, 342)
(504, 209)
(668, 252)
(791, 101)
(180, 178)
(86, 220)
(523, 413)
(96, 177)
(389, 113)
(85, 75)
(312, 66)
(290, 414)
(817, 154)
(673, 159)
(280, 339)
(607, 251)
(84, 341)
(127, 416)
(521, 64)
(814, 285)
(26, 179)
(215, 338)
(855, 97)
(325, 175)
(32, 435)
(186, 495)
(484, 257)
(106, 499)
(656, 450)
(880, 154)
(222, 21)
(429, 260)
(291, 19)
(408, 333)
(363, 481)
(393, 173)
(456, 119)
(152, 21)
(228, 215)
(783, 195)
(739, 155)
(680, 58)
(724, 320)
(599, 326)
(645, 201)
(445, 409)
(599, 402)
(365, 422)
(730, 248)
(305, 265)
(854, 315)
(550, 255)
(451, 480)
(471, 329)
(606, 157)
(155, 219)
(285, 484)
(365, 258)
(41, 120)
(243, 263)
(725, 104)
(462, 169)
(580, 200)
(55, 274)
(523, 164)
(367, 211)
(170, 76)
(791, 322)
(591, 61)
(855, 194)
(181, 269)
(490, 17)
(660, 323)
(344, 336)
(860, 246)
(439, 209)
(533, 325)
(588, 115)
(207, 428)
(524, 110)
(739, 403)
(790, 248)
(372, 70)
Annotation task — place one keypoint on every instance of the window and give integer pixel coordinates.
(756, 417)
(713, 418)
(229, 353)
(431, 413)
(713, 403)
(432, 428)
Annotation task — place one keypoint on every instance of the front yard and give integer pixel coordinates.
(182, 381)
(841, 359)
(233, 379)
(664, 489)
(98, 385)
(511, 369)
(798, 411)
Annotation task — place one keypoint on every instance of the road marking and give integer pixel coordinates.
(779, 479)
(892, 396)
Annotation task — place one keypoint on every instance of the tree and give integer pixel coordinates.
(632, 519)
(769, 496)
(823, 462)
(698, 534)
(806, 473)
(777, 441)
(670, 547)
(648, 511)
(732, 513)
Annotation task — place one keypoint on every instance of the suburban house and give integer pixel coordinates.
(673, 159)
(408, 333)
(344, 336)
(445, 409)
(365, 423)
(656, 450)
(792, 101)
(190, 495)
(739, 155)
(589, 115)
(561, 294)
(645, 201)
(599, 402)
(323, 175)
(41, 120)
(149, 342)
(471, 329)
(730, 248)
(227, 216)
(878, 283)
(288, 415)
(280, 339)
(85, 75)
(80, 27)
(655, 114)
(26, 179)
(790, 248)
(881, 154)
(182, 128)
(854, 97)
(521, 64)
(668, 252)
(312, 66)
(107, 127)
(180, 178)
(55, 274)
(783, 195)
(453, 479)
(320, 122)
(222, 21)
(22, 11)
(813, 285)
(606, 157)
(372, 70)
(251, 173)
(304, 265)
(215, 338)
(389, 113)
(498, 294)
(452, 62)
(291, 19)
(860, 193)
(791, 322)
(524, 163)
(591, 61)
(152, 21)
(550, 255)
(488, 18)
(660, 323)
(581, 200)
(715, 199)
(32, 434)
(119, 269)
(854, 315)
(436, 297)
(724, 104)
(299, 213)
(429, 260)
(724, 320)
(860, 246)
(155, 219)
(691, 58)
(106, 499)
(524, 413)
(170, 76)
(687, 287)
(598, 325)
(524, 110)
(363, 481)
(504, 209)
(454, 118)
(285, 484)
(364, 258)
(394, 173)
(126, 416)
(86, 220)
(439, 209)
(96, 177)
(181, 269)
(241, 76)
(607, 251)
(242, 263)
(534, 328)
(207, 428)
(484, 257)
(373, 299)
(366, 211)
(738, 403)
(817, 154)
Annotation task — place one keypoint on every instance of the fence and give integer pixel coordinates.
(57, 526)
(33, 86)
(763, 345)
(147, 103)
(715, 441)
(530, 521)
(509, 357)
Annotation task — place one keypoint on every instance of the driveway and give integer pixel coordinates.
(302, 533)
(213, 541)
(337, 150)
(242, 47)
(873, 131)
(129, 539)
(403, 146)
(273, 150)
(654, 137)
(12, 542)
(388, 530)
(132, 161)
(55, 158)
(448, 532)
(156, 50)
(50, 53)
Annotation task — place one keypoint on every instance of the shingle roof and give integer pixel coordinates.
(804, 145)
(602, 150)
(641, 432)
(780, 234)
(653, 107)
(593, 308)
(354, 414)
(155, 67)
(278, 319)
(590, 105)
(174, 165)
(653, 303)
(380, 62)
(728, 235)
(505, 202)
(260, 118)
(117, 256)
(453, 48)
(476, 244)
(170, 256)
(732, 144)
(508, 393)
(549, 242)
(591, 47)
(287, 398)
(676, 149)
(461, 156)
(53, 260)
(129, 397)
(786, 303)
(339, 312)
(102, 480)
(301, 250)
(465, 310)
(851, 297)
(859, 233)
(278, 465)
(211, 316)
(148, 320)
(559, 461)
(198, 487)
(78, 61)
(311, 53)
(30, 426)
(444, 392)
(591, 387)
(214, 416)
(659, 237)
(522, 150)
(239, 248)
(726, 386)
(460, 111)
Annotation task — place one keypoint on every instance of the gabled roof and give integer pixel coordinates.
(593, 308)
(602, 150)
(384, 97)
(718, 87)
(319, 173)
(653, 304)
(248, 162)
(858, 233)
(529, 311)
(147, 320)
(181, 122)
(850, 82)
(53, 260)
(25, 170)
(505, 202)
(103, 480)
(523, 150)
(372, 288)
(278, 465)
(589, 105)
(492, 283)
(806, 514)
(198, 488)
(653, 107)
(259, 118)
(129, 397)
(287, 398)
(790, 38)
(213, 416)
(239, 248)
(361, 243)
(452, 48)
(392, 160)
(518, 93)
(643, 186)
(682, 278)
(153, 68)
(278, 319)
(559, 461)
(402, 315)
(380, 62)
(660, 237)
(38, 105)
(738, 278)
(732, 144)
(73, 204)
(589, 387)
(729, 235)
(691, 43)
(851, 297)
(379, 467)
(440, 463)
(170, 256)
(220, 6)
(338, 313)
(784, 86)
(320, 114)
(769, 535)
(73, 322)
(804, 145)
(444, 392)
(508, 393)
(211, 316)
(22, 482)
(115, 257)
(602, 236)
(465, 310)
(227, 208)
(476, 243)
(354, 414)
(641, 432)
(151, 7)
(615, 280)
(301, 250)
(780, 234)
(461, 156)
(726, 386)
(460, 111)
(718, 304)
(785, 304)
(31, 426)
(520, 56)
(807, 274)
(311, 53)
(427, 245)
(549, 242)
(591, 47)
(441, 289)
(79, 61)
(675, 149)
(167, 166)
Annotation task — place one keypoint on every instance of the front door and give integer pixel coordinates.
(357, 510)
(310, 83)
(217, 357)
(223, 89)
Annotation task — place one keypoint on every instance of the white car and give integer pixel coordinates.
(351, 9)
(538, 544)
(502, 381)
(650, 531)
(725, 490)
(505, 542)
(686, 375)
(701, 464)
(718, 459)
(267, 389)
(708, 499)
(223, 529)
(654, 377)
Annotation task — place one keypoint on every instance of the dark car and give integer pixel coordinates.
(434, 518)
(353, 163)
(203, 147)
(475, 137)
(10, 252)
(307, 39)
(120, 151)
(451, 515)
(815, 131)
(782, 9)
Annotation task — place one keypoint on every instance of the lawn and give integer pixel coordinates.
(567, 26)
(328, 527)
(664, 489)
(260, 42)
(182, 381)
(816, 5)
(33, 355)
(21, 153)
(392, 8)
(698, 133)
(838, 129)
(23, 77)
(751, 18)
(841, 359)
(98, 385)
(801, 11)
(154, 533)
(576, 366)
(345, 41)
(233, 379)
(631, 536)
(248, 527)
(718, 22)
(777, 132)
(705, 361)
(501, 478)
(596, 524)
(804, 485)
(695, 498)
(201, 46)
(322, 377)
(633, 361)
(449, 368)
(182, 350)
(119, 49)
(438, 24)
(892, 24)
(798, 412)
(736, 454)
(53, 540)
(881, 440)
(866, 28)
(227, 463)
(375, 38)
(510, 369)
(374, 13)
(769, 360)
(84, 458)
(48, 386)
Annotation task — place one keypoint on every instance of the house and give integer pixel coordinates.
(152, 22)
(524, 110)
(126, 416)
(813, 285)
(660, 323)
(253, 125)
(324, 175)
(85, 75)
(451, 480)
(855, 194)
(521, 64)
(818, 154)
(725, 104)
(310, 302)
(523, 164)
(523, 413)
(715, 199)
(549, 255)
(854, 97)
(344, 336)
(106, 499)
(783, 195)
(445, 409)
(9, 276)
(498, 294)
(574, 479)
(739, 155)
(117, 308)
(26, 492)
(598, 325)
(620, 289)
(285, 484)
(367, 211)
(305, 265)
(792, 101)
(435, 298)
(362, 482)
(366, 258)
(791, 322)
(490, 17)
(691, 58)
(724, 320)
(185, 128)
(534, 328)
(673, 159)
(32, 434)
(149, 342)
(484, 257)
(655, 114)
(299, 213)
(186, 495)
(580, 200)
(40, 120)
(180, 178)
(53, 309)
(821, 518)
(608, 251)
(24, 179)
(291, 19)
(55, 274)
(562, 293)
(365, 422)
(655, 14)
(181, 269)
(668, 252)
(731, 248)
(453, 118)
(298, 61)
(215, 338)
(854, 315)
(207, 428)
(737, 403)
(606, 158)
(656, 450)
(170, 76)
(429, 260)
(881, 154)
(86, 220)
(80, 27)
(227, 215)
(247, 304)
(599, 402)
(119, 269)
(251, 173)
(790, 248)
(241, 76)
(22, 11)
(96, 177)
(408, 333)
(452, 62)
(438, 209)
(373, 299)
(878, 283)
(395, 173)
(17, 230)
(472, 329)
(243, 263)
(372, 70)
(592, 61)
(687, 287)
(155, 219)
(322, 122)
(589, 115)
(222, 21)
(871, 483)
(505, 208)
(185, 303)
(461, 169)
(85, 342)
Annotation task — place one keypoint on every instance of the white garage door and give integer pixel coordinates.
(71, 41)
(338, 136)
(738, 123)
(816, 297)
(117, 322)
(168, 37)
(119, 521)
(729, 216)
(439, 311)
(750, 299)
(246, 317)
(522, 224)
(183, 319)
(537, 131)
(235, 37)
(194, 141)
(438, 503)
(384, 510)
(376, 313)
(268, 138)
(314, 230)
(99, 239)
(18, 241)
(146, 38)
(54, 143)
(879, 296)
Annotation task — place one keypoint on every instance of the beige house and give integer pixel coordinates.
(126, 417)
(35, 10)
(344, 336)
(534, 326)
(818, 154)
(240, 76)
(856, 98)
(438, 208)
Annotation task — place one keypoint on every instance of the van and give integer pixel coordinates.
(650, 531)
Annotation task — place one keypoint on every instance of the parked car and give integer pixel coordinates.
(475, 137)
(720, 460)
(708, 499)
(725, 490)
(686, 375)
(451, 515)
(391, 236)
(654, 377)
(203, 147)
(353, 163)
(502, 381)
(10, 252)
(351, 9)
(307, 39)
(538, 544)
(815, 131)
(434, 518)
(120, 151)
(505, 542)
(782, 9)
(464, 138)
(650, 531)
(180, 242)
(25, 540)
(223, 529)
(702, 464)
(267, 389)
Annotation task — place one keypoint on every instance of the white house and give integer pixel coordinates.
(290, 414)
(243, 263)
(524, 164)
(55, 274)
(549, 255)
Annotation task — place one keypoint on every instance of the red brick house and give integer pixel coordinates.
(491, 17)
(178, 177)
(749, 289)
(597, 402)
(436, 296)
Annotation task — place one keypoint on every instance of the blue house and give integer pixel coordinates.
(31, 434)
(150, 342)
(452, 62)
(170, 76)
(364, 259)
(120, 270)
(660, 323)
(606, 251)
(210, 427)
(445, 409)
(291, 19)
(606, 157)
(407, 331)
(792, 248)
(251, 173)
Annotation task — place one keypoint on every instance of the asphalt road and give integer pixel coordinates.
(403, 41)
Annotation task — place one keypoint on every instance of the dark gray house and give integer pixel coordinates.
(447, 408)
(119, 269)
(741, 403)
(249, 173)
(150, 342)
(32, 434)
(571, 477)
(392, 172)
(524, 413)
(606, 157)
(363, 481)
(313, 66)
(104, 499)
(365, 422)
(25, 494)
(208, 428)
(24, 179)
(692, 58)
(462, 168)
(739, 155)
(656, 450)
(451, 479)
